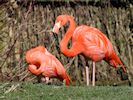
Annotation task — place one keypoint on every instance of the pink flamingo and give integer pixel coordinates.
(43, 62)
(86, 40)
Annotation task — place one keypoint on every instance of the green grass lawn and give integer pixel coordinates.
(30, 91)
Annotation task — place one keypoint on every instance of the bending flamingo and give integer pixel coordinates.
(86, 40)
(42, 62)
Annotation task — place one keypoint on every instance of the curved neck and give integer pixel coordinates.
(67, 36)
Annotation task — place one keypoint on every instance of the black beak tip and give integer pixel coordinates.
(55, 34)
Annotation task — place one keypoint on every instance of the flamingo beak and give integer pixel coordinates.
(56, 27)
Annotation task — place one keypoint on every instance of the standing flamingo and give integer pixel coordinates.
(42, 62)
(86, 40)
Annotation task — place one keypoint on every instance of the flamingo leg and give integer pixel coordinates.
(47, 80)
(93, 74)
(87, 75)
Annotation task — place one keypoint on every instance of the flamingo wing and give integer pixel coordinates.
(94, 42)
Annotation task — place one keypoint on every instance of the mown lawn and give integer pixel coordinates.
(30, 91)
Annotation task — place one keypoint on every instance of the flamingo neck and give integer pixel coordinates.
(67, 37)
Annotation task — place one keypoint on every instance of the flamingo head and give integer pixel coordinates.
(61, 20)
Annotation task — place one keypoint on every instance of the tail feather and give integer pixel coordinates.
(115, 61)
(68, 80)
(64, 76)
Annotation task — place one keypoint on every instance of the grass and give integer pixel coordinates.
(30, 91)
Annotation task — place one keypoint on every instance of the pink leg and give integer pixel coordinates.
(47, 80)
(93, 74)
(87, 75)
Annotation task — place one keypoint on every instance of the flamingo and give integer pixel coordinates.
(43, 62)
(89, 41)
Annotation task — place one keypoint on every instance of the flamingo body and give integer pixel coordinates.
(93, 45)
(42, 62)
